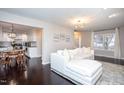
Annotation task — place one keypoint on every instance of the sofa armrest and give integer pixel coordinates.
(57, 62)
(92, 52)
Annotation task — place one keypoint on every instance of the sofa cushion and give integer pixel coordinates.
(76, 54)
(66, 55)
(86, 50)
(60, 52)
(84, 67)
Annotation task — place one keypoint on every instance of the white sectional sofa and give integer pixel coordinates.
(76, 65)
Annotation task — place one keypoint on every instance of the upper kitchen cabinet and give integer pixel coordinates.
(22, 33)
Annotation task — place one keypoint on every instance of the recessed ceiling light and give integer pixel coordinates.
(113, 15)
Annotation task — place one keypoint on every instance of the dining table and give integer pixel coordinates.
(12, 55)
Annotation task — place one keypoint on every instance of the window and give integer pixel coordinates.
(104, 41)
(98, 41)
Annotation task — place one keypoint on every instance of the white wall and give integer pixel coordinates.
(104, 53)
(122, 41)
(48, 46)
(86, 38)
(37, 34)
(39, 43)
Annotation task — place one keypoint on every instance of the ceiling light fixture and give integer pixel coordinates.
(12, 35)
(79, 24)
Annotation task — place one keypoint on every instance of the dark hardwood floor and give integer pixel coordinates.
(34, 74)
(110, 60)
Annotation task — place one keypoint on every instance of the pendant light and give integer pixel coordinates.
(12, 35)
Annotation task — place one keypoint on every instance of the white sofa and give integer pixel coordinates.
(76, 67)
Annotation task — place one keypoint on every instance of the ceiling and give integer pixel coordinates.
(97, 17)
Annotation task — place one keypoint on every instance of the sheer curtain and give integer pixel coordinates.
(117, 52)
(92, 40)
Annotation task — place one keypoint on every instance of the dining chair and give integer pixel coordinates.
(21, 59)
(4, 60)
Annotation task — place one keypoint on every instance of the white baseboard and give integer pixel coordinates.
(105, 56)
